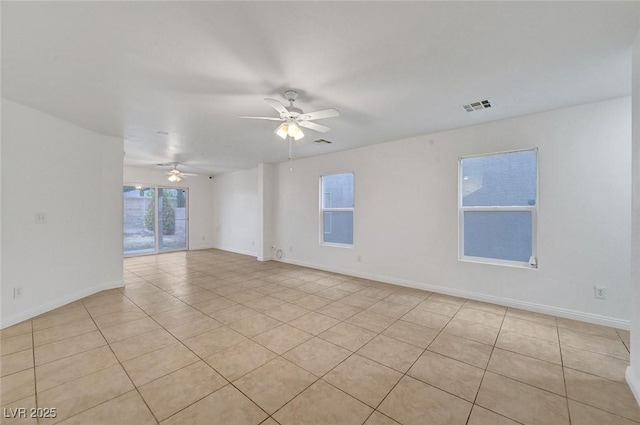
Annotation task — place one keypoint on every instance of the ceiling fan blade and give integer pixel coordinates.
(314, 126)
(189, 174)
(318, 115)
(277, 106)
(262, 118)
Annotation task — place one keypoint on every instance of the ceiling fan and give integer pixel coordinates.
(174, 174)
(292, 118)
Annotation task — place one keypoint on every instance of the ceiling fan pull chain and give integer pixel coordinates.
(290, 153)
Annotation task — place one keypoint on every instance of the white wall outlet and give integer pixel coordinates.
(600, 292)
(17, 292)
(40, 218)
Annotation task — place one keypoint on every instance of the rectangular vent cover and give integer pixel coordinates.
(322, 141)
(476, 106)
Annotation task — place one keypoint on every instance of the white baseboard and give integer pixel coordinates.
(634, 383)
(237, 251)
(200, 247)
(507, 302)
(52, 305)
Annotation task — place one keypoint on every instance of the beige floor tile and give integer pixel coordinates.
(314, 323)
(224, 407)
(542, 319)
(311, 287)
(118, 317)
(286, 312)
(73, 367)
(411, 333)
(350, 286)
(67, 347)
(312, 302)
(463, 349)
(244, 296)
(122, 304)
(363, 379)
(373, 321)
(348, 336)
(322, 404)
(163, 306)
(334, 293)
(17, 386)
(138, 345)
(624, 335)
(447, 299)
(390, 309)
(158, 363)
(445, 309)
(16, 343)
(596, 344)
(405, 299)
(532, 347)
(538, 373)
(178, 315)
(588, 328)
(272, 385)
(317, 356)
(254, 325)
(604, 394)
(521, 402)
(359, 300)
(378, 418)
(482, 416)
(12, 413)
(127, 409)
(595, 364)
(239, 359)
(339, 311)
(67, 330)
(263, 303)
(16, 362)
(212, 305)
(125, 330)
(51, 320)
(84, 393)
(177, 390)
(414, 402)
(289, 295)
(581, 414)
(15, 330)
(232, 314)
(488, 307)
(213, 341)
(475, 331)
(189, 328)
(530, 329)
(426, 318)
(450, 375)
(391, 352)
(282, 339)
(480, 316)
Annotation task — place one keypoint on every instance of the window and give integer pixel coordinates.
(498, 208)
(336, 209)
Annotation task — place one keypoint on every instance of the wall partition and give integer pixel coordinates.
(155, 219)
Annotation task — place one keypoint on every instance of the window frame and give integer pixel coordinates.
(533, 261)
(322, 210)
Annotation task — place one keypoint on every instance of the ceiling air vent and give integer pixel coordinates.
(322, 142)
(476, 106)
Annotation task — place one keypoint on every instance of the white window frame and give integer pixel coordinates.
(533, 260)
(323, 210)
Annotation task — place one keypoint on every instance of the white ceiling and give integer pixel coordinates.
(393, 69)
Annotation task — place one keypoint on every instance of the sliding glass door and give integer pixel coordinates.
(155, 219)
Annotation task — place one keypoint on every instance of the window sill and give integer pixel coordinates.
(337, 245)
(495, 262)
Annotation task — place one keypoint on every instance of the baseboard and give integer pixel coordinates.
(633, 382)
(52, 305)
(201, 247)
(236, 251)
(507, 302)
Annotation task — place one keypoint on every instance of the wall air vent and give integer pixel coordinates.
(476, 106)
(322, 142)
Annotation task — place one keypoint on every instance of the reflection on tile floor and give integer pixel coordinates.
(211, 337)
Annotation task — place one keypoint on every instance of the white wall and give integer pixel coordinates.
(406, 212)
(74, 177)
(633, 372)
(200, 201)
(236, 212)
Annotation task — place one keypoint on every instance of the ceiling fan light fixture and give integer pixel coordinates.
(282, 130)
(293, 130)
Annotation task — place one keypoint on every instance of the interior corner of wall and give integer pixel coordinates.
(631, 375)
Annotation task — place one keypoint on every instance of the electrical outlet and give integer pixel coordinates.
(600, 292)
(40, 218)
(17, 292)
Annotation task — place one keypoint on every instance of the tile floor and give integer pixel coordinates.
(210, 337)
